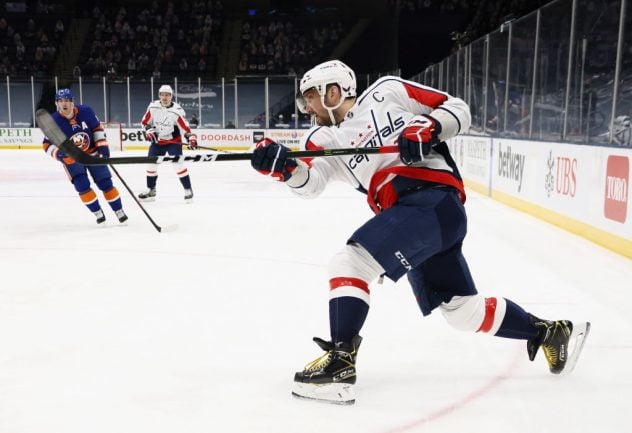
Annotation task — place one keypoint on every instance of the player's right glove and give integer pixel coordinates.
(270, 158)
(417, 138)
(61, 156)
(152, 135)
(192, 142)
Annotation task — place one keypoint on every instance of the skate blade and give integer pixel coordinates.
(147, 200)
(577, 340)
(333, 393)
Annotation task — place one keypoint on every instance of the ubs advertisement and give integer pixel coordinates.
(587, 183)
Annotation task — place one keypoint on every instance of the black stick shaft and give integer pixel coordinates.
(151, 220)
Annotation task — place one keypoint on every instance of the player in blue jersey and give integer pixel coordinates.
(82, 126)
(419, 224)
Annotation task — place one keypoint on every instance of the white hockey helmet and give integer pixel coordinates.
(165, 88)
(320, 76)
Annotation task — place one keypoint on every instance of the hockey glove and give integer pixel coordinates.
(270, 159)
(61, 156)
(192, 141)
(417, 139)
(152, 135)
(104, 150)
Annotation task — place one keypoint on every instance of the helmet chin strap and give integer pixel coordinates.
(330, 110)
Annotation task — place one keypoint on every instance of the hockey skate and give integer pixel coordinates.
(561, 342)
(120, 214)
(329, 378)
(188, 195)
(148, 195)
(100, 216)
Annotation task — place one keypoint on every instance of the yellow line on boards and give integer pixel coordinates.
(608, 240)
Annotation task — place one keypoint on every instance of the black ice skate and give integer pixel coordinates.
(148, 195)
(100, 216)
(329, 378)
(561, 342)
(188, 195)
(120, 214)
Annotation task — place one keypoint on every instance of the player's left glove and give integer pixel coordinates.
(192, 142)
(417, 138)
(270, 158)
(103, 149)
(61, 156)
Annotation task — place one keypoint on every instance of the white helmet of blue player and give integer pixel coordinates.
(319, 77)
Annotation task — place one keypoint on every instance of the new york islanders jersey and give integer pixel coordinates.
(84, 129)
(170, 122)
(377, 119)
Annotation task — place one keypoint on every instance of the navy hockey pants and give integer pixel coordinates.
(421, 236)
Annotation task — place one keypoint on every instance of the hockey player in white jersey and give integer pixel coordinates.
(418, 227)
(165, 126)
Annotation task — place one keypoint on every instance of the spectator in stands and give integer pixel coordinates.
(230, 125)
(280, 122)
(59, 29)
(184, 66)
(194, 122)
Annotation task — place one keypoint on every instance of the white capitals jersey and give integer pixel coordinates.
(377, 119)
(170, 122)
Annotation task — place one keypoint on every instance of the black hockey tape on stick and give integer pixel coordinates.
(56, 136)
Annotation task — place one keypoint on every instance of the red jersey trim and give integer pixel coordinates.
(387, 197)
(425, 96)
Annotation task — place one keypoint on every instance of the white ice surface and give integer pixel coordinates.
(123, 329)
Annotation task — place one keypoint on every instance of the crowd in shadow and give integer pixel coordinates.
(31, 34)
(162, 40)
(286, 47)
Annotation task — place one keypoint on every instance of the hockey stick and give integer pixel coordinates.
(57, 137)
(153, 223)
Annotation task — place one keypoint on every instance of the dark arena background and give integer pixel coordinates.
(192, 315)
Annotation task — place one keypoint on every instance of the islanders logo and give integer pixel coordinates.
(81, 140)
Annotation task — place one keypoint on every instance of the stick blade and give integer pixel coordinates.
(49, 127)
(169, 228)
